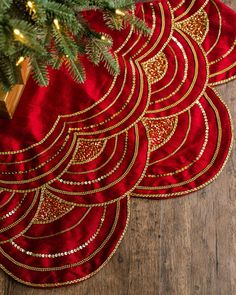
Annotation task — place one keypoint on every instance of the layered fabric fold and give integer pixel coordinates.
(66, 243)
(74, 154)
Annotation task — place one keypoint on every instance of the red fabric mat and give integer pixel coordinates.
(74, 155)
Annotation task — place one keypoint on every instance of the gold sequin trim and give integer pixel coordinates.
(80, 279)
(196, 26)
(88, 151)
(68, 252)
(206, 136)
(51, 209)
(155, 68)
(104, 176)
(13, 211)
(160, 131)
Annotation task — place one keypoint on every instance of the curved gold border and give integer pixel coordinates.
(176, 194)
(80, 279)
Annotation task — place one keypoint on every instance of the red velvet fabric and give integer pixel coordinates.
(74, 155)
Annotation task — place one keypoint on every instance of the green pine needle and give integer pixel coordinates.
(76, 70)
(59, 10)
(65, 44)
(40, 72)
(112, 21)
(9, 73)
(138, 24)
(4, 4)
(35, 35)
(99, 51)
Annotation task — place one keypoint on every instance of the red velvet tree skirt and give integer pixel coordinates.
(74, 155)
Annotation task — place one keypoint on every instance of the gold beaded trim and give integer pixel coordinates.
(102, 176)
(73, 144)
(156, 67)
(196, 72)
(179, 147)
(8, 200)
(161, 33)
(89, 151)
(138, 38)
(89, 192)
(179, 5)
(13, 211)
(186, 66)
(21, 218)
(190, 7)
(35, 156)
(175, 73)
(222, 81)
(44, 269)
(212, 163)
(199, 155)
(113, 102)
(130, 113)
(57, 121)
(40, 165)
(60, 232)
(197, 26)
(68, 252)
(224, 55)
(160, 131)
(80, 279)
(51, 209)
(99, 167)
(224, 70)
(25, 214)
(220, 28)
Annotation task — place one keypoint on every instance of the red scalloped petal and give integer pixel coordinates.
(194, 162)
(17, 214)
(185, 82)
(86, 248)
(220, 42)
(120, 109)
(185, 8)
(112, 181)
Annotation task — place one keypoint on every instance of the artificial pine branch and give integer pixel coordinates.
(40, 72)
(31, 35)
(4, 4)
(139, 25)
(117, 21)
(10, 73)
(75, 69)
(98, 51)
(53, 32)
(110, 63)
(68, 48)
(118, 4)
(59, 10)
(65, 44)
(113, 21)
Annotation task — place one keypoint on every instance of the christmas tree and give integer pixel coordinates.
(51, 32)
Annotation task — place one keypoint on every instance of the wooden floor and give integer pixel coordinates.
(184, 246)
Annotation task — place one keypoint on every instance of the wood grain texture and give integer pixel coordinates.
(184, 246)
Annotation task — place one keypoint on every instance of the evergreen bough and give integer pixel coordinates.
(53, 32)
